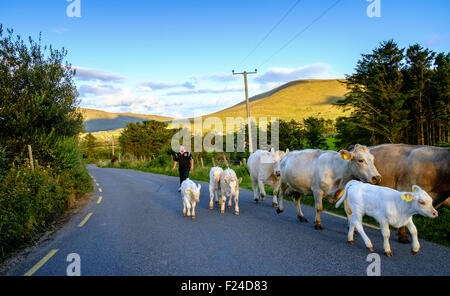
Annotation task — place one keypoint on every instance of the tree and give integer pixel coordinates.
(145, 139)
(38, 97)
(314, 131)
(90, 142)
(375, 96)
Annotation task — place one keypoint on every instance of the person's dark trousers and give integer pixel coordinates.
(184, 174)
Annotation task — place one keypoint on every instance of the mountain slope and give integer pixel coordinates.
(97, 120)
(294, 100)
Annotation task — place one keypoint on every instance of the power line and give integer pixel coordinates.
(301, 32)
(268, 34)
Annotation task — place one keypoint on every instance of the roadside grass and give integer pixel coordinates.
(434, 230)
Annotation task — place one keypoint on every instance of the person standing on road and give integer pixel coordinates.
(186, 164)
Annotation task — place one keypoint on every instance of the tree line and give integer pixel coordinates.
(397, 95)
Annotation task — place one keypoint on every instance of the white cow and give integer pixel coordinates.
(264, 168)
(229, 186)
(324, 174)
(214, 185)
(190, 195)
(388, 207)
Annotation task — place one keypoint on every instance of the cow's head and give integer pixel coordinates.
(420, 201)
(233, 182)
(196, 193)
(361, 163)
(275, 159)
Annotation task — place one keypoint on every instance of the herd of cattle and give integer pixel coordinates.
(389, 182)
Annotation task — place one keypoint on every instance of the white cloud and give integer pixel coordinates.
(90, 74)
(313, 71)
(157, 85)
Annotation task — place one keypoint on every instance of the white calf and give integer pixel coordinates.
(388, 207)
(214, 185)
(190, 194)
(229, 186)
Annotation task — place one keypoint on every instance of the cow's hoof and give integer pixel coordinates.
(222, 212)
(217, 202)
(184, 214)
(256, 200)
(302, 219)
(236, 213)
(229, 206)
(414, 252)
(370, 249)
(318, 227)
(403, 239)
(389, 254)
(211, 207)
(351, 242)
(274, 205)
(193, 217)
(279, 211)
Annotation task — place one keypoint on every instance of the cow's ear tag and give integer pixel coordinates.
(406, 198)
(188, 192)
(346, 156)
(415, 190)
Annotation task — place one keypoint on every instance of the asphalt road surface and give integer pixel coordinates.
(137, 228)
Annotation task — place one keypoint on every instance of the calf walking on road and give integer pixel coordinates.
(229, 186)
(214, 185)
(388, 207)
(190, 194)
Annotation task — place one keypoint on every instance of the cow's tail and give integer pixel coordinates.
(345, 195)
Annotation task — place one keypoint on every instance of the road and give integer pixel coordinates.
(137, 228)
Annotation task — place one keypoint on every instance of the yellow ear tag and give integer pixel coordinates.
(405, 198)
(188, 192)
(345, 156)
(415, 190)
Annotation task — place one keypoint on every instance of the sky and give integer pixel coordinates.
(174, 58)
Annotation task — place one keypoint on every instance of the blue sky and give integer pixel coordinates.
(175, 57)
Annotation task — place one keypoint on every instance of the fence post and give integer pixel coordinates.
(201, 161)
(225, 159)
(30, 154)
(245, 161)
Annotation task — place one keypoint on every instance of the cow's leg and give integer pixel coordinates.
(193, 209)
(283, 189)
(415, 241)
(300, 215)
(351, 231)
(184, 209)
(188, 205)
(236, 203)
(255, 190)
(402, 235)
(318, 195)
(358, 224)
(211, 197)
(386, 233)
(230, 204)
(275, 194)
(262, 190)
(217, 194)
(223, 199)
(348, 211)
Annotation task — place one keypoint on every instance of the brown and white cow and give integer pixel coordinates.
(402, 166)
(324, 174)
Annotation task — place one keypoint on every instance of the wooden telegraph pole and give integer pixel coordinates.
(250, 141)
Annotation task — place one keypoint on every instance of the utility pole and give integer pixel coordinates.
(250, 141)
(112, 139)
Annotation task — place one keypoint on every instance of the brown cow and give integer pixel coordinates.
(402, 166)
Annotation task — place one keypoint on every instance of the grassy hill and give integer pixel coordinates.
(294, 100)
(97, 120)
